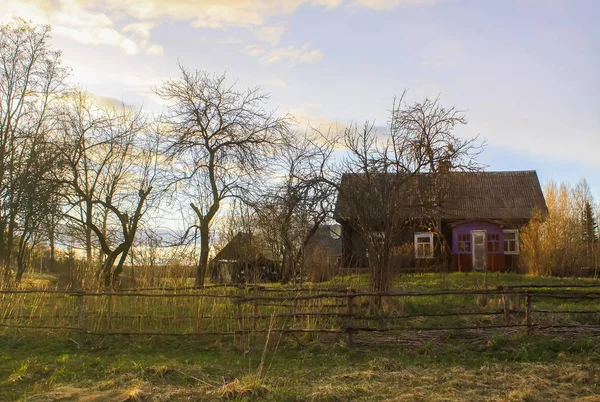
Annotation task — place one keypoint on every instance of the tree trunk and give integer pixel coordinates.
(88, 233)
(382, 278)
(3, 245)
(21, 257)
(119, 269)
(9, 244)
(106, 274)
(52, 250)
(203, 262)
(286, 269)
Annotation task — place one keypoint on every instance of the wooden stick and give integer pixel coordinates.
(506, 308)
(350, 315)
(80, 312)
(528, 313)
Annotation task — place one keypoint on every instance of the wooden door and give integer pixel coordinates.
(479, 250)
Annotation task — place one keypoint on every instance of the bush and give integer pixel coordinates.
(555, 243)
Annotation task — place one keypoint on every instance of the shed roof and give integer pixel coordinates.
(244, 247)
(459, 195)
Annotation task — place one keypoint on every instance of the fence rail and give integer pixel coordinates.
(257, 310)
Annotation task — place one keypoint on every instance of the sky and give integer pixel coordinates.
(527, 72)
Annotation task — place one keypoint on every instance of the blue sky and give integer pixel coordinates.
(526, 71)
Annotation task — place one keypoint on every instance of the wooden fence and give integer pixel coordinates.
(259, 310)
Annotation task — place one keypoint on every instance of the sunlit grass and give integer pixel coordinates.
(512, 368)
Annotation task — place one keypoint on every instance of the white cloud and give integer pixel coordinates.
(306, 120)
(255, 50)
(213, 13)
(99, 22)
(139, 29)
(277, 82)
(291, 53)
(390, 4)
(270, 34)
(72, 19)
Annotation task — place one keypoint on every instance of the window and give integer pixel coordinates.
(493, 242)
(464, 243)
(424, 245)
(511, 241)
(378, 238)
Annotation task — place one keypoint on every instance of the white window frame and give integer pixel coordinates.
(469, 241)
(428, 235)
(516, 240)
(378, 237)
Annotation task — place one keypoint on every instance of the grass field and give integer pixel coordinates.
(39, 365)
(499, 368)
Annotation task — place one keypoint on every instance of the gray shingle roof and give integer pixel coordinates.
(493, 195)
(244, 247)
(464, 195)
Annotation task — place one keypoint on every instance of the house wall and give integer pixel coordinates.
(354, 251)
(463, 260)
(467, 227)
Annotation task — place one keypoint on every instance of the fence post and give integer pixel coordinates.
(350, 323)
(240, 330)
(528, 313)
(80, 311)
(294, 308)
(109, 312)
(255, 310)
(240, 317)
(506, 308)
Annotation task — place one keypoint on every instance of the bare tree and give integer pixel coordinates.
(299, 201)
(383, 190)
(31, 77)
(35, 198)
(111, 157)
(219, 139)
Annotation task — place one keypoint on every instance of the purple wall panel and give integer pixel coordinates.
(467, 227)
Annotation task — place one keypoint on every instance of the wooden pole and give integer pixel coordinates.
(528, 313)
(294, 316)
(506, 308)
(255, 311)
(80, 311)
(350, 322)
(109, 312)
(240, 324)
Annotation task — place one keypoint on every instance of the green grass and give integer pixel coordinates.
(53, 365)
(500, 368)
(470, 280)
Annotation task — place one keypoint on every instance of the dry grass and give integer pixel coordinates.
(490, 382)
(524, 382)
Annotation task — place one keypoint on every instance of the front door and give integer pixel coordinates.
(479, 250)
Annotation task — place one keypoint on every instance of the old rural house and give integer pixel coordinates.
(244, 259)
(326, 243)
(462, 220)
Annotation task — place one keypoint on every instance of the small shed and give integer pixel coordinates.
(245, 260)
(323, 253)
